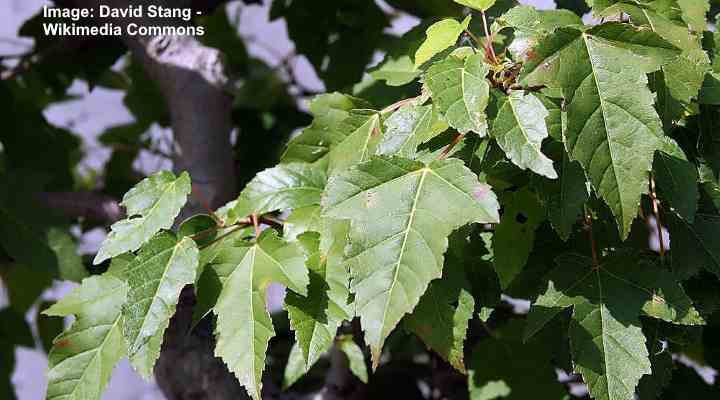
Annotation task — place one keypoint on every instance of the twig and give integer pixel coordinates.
(591, 236)
(394, 106)
(474, 38)
(489, 37)
(254, 219)
(449, 147)
(205, 203)
(656, 211)
(223, 236)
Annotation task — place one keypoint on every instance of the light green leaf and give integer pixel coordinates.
(515, 235)
(82, 358)
(70, 264)
(530, 24)
(612, 127)
(286, 186)
(402, 212)
(155, 277)
(406, 129)
(520, 128)
(461, 92)
(362, 129)
(480, 5)
(489, 390)
(355, 356)
(694, 12)
(440, 36)
(151, 205)
(301, 220)
(398, 67)
(316, 317)
(607, 343)
(441, 317)
(244, 327)
(315, 141)
(295, 367)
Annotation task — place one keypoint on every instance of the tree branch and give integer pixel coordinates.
(94, 206)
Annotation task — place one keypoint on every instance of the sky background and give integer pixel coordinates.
(93, 112)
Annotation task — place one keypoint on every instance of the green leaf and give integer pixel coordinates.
(530, 25)
(694, 12)
(48, 328)
(406, 129)
(565, 197)
(398, 67)
(82, 359)
(301, 220)
(515, 235)
(355, 356)
(607, 344)
(441, 317)
(295, 367)
(677, 184)
(520, 128)
(461, 92)
(244, 327)
(316, 316)
(710, 91)
(361, 130)
(401, 212)
(680, 81)
(70, 264)
(315, 141)
(661, 361)
(440, 36)
(696, 245)
(612, 127)
(155, 277)
(480, 5)
(286, 186)
(151, 205)
(503, 366)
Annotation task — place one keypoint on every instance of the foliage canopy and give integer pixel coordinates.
(507, 151)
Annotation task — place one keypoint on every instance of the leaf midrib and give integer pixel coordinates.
(97, 352)
(405, 233)
(605, 130)
(136, 347)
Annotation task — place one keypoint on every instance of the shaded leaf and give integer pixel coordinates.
(515, 235)
(607, 344)
(441, 317)
(316, 316)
